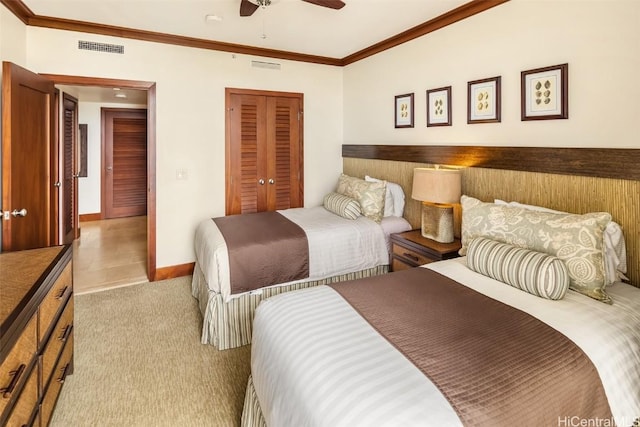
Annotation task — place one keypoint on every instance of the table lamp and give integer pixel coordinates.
(437, 188)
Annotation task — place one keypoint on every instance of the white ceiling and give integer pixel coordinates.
(289, 25)
(106, 95)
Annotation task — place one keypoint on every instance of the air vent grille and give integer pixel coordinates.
(262, 64)
(100, 47)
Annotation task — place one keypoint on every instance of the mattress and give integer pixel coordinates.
(337, 246)
(315, 361)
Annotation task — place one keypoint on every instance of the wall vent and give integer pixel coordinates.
(262, 64)
(101, 47)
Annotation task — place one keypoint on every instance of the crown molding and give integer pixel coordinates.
(151, 36)
(22, 12)
(19, 9)
(458, 14)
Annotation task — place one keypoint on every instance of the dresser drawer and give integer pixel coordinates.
(410, 255)
(59, 376)
(27, 402)
(56, 296)
(15, 366)
(59, 336)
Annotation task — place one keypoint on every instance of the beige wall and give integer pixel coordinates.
(599, 39)
(13, 38)
(190, 119)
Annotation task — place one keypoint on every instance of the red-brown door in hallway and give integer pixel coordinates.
(28, 157)
(124, 167)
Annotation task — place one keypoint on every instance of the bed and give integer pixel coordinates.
(366, 352)
(339, 249)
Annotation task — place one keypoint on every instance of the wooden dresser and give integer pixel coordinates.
(36, 333)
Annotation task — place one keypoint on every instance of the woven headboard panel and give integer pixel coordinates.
(569, 193)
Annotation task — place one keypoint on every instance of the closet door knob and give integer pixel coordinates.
(271, 181)
(17, 213)
(261, 181)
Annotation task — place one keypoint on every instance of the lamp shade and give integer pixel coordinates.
(437, 185)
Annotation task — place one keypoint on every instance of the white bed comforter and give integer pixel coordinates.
(316, 362)
(336, 246)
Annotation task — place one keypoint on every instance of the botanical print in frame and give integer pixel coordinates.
(404, 111)
(545, 93)
(439, 107)
(483, 100)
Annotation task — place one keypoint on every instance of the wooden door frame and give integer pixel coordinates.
(103, 146)
(150, 88)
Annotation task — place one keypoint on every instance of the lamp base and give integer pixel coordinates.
(437, 222)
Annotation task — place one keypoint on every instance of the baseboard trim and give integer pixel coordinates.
(174, 271)
(91, 217)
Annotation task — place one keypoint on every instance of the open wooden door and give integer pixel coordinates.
(69, 171)
(28, 157)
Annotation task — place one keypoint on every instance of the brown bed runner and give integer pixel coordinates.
(497, 365)
(264, 249)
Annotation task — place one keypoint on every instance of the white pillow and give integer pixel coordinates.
(615, 249)
(394, 199)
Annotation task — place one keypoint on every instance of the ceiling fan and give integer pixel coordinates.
(248, 7)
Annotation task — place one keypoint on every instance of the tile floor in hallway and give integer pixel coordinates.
(110, 253)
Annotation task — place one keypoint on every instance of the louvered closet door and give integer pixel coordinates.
(248, 155)
(283, 132)
(69, 184)
(264, 151)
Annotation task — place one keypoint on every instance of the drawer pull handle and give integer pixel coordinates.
(63, 377)
(411, 256)
(62, 292)
(6, 392)
(65, 333)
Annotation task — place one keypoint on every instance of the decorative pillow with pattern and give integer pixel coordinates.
(370, 195)
(342, 205)
(576, 239)
(615, 247)
(534, 272)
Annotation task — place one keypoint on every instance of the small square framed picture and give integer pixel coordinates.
(545, 93)
(439, 107)
(404, 111)
(483, 100)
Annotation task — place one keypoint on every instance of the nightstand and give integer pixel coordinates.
(410, 249)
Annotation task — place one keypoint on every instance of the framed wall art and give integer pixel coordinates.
(404, 111)
(483, 100)
(439, 107)
(545, 93)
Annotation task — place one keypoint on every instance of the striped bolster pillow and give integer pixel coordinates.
(342, 205)
(534, 272)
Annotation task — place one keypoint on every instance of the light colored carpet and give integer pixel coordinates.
(139, 362)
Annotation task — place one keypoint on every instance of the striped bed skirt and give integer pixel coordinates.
(229, 325)
(251, 411)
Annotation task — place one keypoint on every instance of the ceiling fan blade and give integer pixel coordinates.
(247, 8)
(332, 4)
